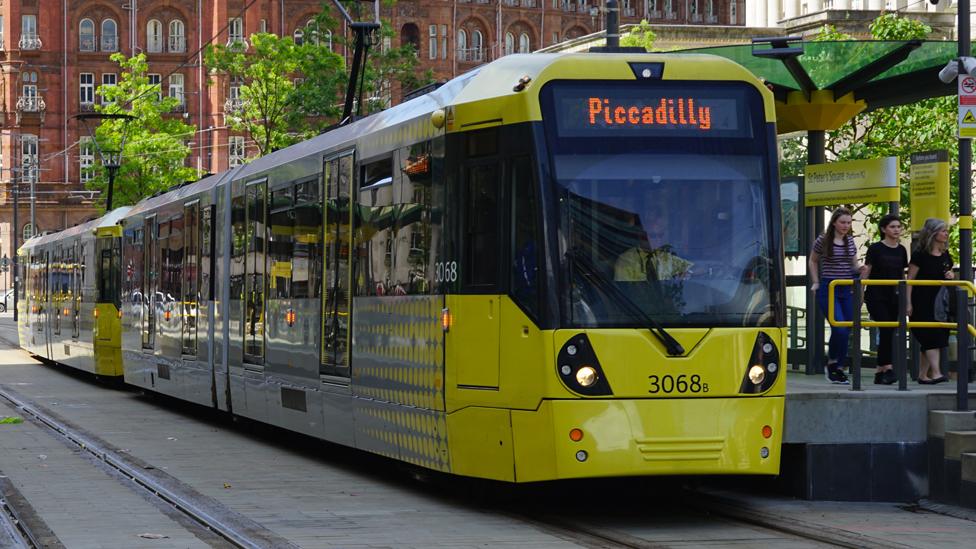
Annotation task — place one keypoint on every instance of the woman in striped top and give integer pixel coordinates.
(834, 256)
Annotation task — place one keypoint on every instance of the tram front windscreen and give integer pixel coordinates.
(664, 203)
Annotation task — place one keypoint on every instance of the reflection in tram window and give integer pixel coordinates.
(281, 244)
(306, 274)
(254, 283)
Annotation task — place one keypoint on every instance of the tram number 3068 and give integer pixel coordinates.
(677, 384)
(446, 271)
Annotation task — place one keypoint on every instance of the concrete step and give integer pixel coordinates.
(941, 470)
(967, 485)
(957, 443)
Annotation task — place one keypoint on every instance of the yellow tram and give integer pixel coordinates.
(555, 266)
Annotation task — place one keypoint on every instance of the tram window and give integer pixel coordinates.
(481, 236)
(412, 264)
(281, 243)
(525, 236)
(377, 219)
(107, 270)
(238, 247)
(189, 303)
(306, 274)
(206, 254)
(254, 265)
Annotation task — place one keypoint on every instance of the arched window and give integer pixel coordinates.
(86, 35)
(328, 39)
(28, 232)
(110, 35)
(476, 46)
(312, 32)
(410, 34)
(462, 45)
(154, 36)
(177, 36)
(524, 46)
(509, 43)
(299, 37)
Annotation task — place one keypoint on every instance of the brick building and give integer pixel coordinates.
(55, 53)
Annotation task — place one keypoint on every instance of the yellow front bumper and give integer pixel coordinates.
(648, 437)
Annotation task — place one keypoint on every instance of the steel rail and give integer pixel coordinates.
(14, 527)
(185, 505)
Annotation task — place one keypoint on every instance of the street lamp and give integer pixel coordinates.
(111, 158)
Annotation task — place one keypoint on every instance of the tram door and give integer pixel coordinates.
(48, 302)
(78, 270)
(255, 267)
(336, 296)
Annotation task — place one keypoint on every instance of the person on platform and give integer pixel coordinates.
(930, 261)
(834, 257)
(885, 260)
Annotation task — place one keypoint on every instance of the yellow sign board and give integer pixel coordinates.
(852, 182)
(929, 186)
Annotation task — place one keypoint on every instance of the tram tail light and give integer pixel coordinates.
(167, 315)
(290, 317)
(576, 435)
(95, 313)
(66, 312)
(767, 431)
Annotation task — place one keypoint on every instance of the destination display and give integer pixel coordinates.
(587, 111)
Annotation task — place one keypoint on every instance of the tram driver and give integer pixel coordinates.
(653, 258)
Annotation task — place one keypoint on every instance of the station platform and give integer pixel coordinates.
(874, 444)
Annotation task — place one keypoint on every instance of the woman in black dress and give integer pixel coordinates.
(930, 261)
(886, 260)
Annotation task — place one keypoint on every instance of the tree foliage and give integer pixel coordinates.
(640, 35)
(290, 92)
(892, 131)
(156, 142)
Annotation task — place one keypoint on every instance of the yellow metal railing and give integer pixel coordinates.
(968, 286)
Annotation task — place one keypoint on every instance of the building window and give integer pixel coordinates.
(2, 47)
(524, 45)
(110, 35)
(86, 35)
(732, 14)
(509, 43)
(432, 42)
(555, 37)
(312, 32)
(263, 26)
(177, 36)
(235, 29)
(86, 90)
(28, 232)
(476, 46)
(156, 80)
(328, 39)
(28, 159)
(154, 36)
(86, 159)
(461, 46)
(176, 90)
(298, 37)
(29, 40)
(236, 150)
(443, 41)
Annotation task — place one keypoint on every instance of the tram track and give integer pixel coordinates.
(233, 528)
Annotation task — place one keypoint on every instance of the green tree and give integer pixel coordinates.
(640, 35)
(156, 143)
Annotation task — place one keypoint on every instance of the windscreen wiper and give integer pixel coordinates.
(671, 344)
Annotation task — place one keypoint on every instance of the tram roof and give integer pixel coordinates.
(185, 191)
(107, 220)
(882, 73)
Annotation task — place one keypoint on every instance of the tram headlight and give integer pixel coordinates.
(757, 374)
(586, 376)
(579, 369)
(763, 366)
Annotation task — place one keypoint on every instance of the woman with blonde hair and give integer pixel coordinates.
(834, 256)
(930, 261)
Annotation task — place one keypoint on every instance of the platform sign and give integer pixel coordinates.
(852, 182)
(967, 106)
(929, 186)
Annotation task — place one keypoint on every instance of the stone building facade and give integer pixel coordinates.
(55, 53)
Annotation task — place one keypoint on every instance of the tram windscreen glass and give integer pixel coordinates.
(625, 109)
(679, 226)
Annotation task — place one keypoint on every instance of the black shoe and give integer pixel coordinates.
(889, 377)
(926, 381)
(940, 379)
(836, 376)
(879, 378)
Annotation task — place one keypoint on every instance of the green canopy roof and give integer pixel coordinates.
(881, 73)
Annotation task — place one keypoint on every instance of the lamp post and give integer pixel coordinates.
(111, 158)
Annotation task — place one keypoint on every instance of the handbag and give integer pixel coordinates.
(945, 305)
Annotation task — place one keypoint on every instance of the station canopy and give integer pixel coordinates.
(822, 85)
